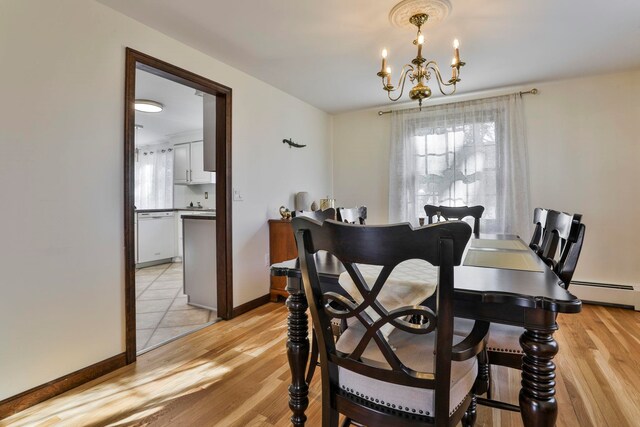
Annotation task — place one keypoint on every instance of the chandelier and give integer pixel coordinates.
(420, 71)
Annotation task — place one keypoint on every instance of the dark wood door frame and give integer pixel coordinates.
(139, 61)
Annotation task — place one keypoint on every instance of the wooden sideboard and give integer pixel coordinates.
(282, 247)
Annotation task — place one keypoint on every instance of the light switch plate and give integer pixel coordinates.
(237, 197)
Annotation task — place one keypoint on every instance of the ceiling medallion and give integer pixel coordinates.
(419, 71)
(437, 10)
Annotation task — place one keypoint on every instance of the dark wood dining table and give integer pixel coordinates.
(530, 299)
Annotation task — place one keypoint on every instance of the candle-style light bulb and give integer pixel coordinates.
(384, 59)
(420, 42)
(456, 45)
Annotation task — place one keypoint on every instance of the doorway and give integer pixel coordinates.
(155, 243)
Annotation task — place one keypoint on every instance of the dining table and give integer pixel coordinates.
(501, 280)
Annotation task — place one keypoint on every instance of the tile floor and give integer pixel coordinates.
(162, 312)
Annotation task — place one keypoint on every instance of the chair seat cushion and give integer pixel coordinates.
(502, 338)
(417, 353)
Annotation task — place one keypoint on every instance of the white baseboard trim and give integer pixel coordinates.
(606, 293)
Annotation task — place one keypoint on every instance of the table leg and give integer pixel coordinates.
(298, 354)
(538, 404)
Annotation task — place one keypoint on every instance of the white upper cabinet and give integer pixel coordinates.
(181, 162)
(188, 164)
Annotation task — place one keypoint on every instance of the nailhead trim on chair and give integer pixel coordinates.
(459, 405)
(389, 407)
(505, 350)
(393, 406)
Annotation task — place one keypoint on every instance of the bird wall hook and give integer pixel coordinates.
(292, 144)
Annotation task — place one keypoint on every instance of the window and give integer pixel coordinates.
(456, 166)
(466, 153)
(154, 178)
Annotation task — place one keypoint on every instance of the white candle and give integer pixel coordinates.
(384, 59)
(456, 45)
(388, 70)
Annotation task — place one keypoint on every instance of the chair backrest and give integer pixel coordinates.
(560, 228)
(540, 221)
(455, 213)
(439, 244)
(317, 215)
(569, 260)
(353, 215)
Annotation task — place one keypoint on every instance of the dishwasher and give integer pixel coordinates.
(156, 236)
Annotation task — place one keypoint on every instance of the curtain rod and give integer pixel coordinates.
(533, 91)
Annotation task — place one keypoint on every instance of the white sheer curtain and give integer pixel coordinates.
(154, 178)
(464, 153)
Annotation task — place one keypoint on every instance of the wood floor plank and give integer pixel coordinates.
(236, 374)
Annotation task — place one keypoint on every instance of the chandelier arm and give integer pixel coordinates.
(421, 70)
(403, 78)
(441, 83)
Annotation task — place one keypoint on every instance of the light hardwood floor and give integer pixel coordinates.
(236, 374)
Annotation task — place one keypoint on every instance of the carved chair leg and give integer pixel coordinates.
(298, 354)
(469, 417)
(483, 382)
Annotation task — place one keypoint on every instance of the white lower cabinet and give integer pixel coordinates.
(199, 261)
(156, 236)
(179, 228)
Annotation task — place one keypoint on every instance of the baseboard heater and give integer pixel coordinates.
(610, 294)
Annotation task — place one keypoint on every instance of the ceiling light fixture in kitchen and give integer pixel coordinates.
(148, 106)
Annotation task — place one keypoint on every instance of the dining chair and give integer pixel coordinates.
(317, 215)
(560, 229)
(321, 216)
(353, 215)
(455, 213)
(540, 221)
(503, 346)
(379, 381)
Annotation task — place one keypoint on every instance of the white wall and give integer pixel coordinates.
(584, 151)
(61, 169)
(361, 162)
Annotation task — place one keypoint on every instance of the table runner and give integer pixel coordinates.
(509, 260)
(516, 245)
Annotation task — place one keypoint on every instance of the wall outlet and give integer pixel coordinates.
(206, 195)
(237, 197)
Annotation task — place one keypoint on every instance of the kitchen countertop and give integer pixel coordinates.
(176, 210)
(209, 217)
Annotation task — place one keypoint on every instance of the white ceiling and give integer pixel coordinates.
(327, 52)
(183, 110)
